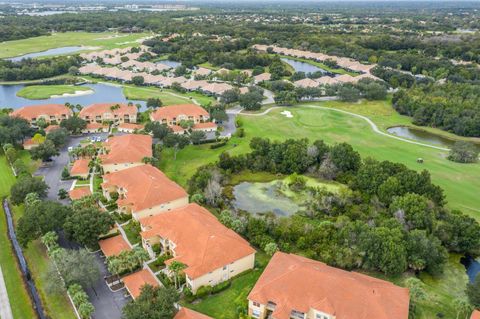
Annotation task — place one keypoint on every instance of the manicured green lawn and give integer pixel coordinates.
(168, 97)
(57, 305)
(17, 292)
(40, 92)
(224, 304)
(461, 182)
(104, 40)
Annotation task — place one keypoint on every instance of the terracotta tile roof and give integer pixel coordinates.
(204, 125)
(306, 83)
(202, 242)
(193, 84)
(95, 126)
(262, 77)
(202, 71)
(114, 245)
(145, 186)
(30, 142)
(129, 148)
(475, 315)
(34, 111)
(296, 283)
(186, 313)
(130, 126)
(216, 88)
(79, 192)
(99, 109)
(170, 112)
(134, 282)
(177, 129)
(80, 167)
(51, 128)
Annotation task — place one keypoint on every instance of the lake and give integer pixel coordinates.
(421, 136)
(258, 198)
(472, 266)
(170, 63)
(103, 93)
(302, 66)
(56, 51)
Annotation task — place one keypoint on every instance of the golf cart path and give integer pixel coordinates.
(369, 121)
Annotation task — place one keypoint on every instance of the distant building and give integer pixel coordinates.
(172, 115)
(109, 112)
(51, 113)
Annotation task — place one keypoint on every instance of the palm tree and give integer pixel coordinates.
(50, 240)
(176, 267)
(462, 306)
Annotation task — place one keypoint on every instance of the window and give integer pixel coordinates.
(224, 267)
(256, 304)
(256, 313)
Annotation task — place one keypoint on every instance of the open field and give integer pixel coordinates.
(460, 181)
(168, 97)
(103, 40)
(41, 92)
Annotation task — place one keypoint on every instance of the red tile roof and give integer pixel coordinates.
(34, 111)
(170, 112)
(296, 283)
(98, 109)
(204, 125)
(129, 148)
(134, 282)
(202, 242)
(114, 245)
(51, 128)
(80, 167)
(145, 185)
(130, 126)
(95, 126)
(475, 315)
(186, 313)
(80, 192)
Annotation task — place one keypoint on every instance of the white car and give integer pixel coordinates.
(70, 148)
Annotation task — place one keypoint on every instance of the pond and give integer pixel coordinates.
(170, 63)
(102, 93)
(258, 198)
(56, 51)
(420, 135)
(302, 66)
(472, 266)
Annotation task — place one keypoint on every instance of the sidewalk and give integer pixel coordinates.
(5, 310)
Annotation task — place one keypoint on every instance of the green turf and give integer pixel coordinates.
(168, 97)
(17, 292)
(224, 304)
(460, 181)
(104, 40)
(41, 92)
(56, 305)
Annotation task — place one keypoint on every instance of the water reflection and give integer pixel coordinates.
(103, 93)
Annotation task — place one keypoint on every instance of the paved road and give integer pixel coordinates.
(52, 171)
(108, 304)
(5, 309)
(269, 97)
